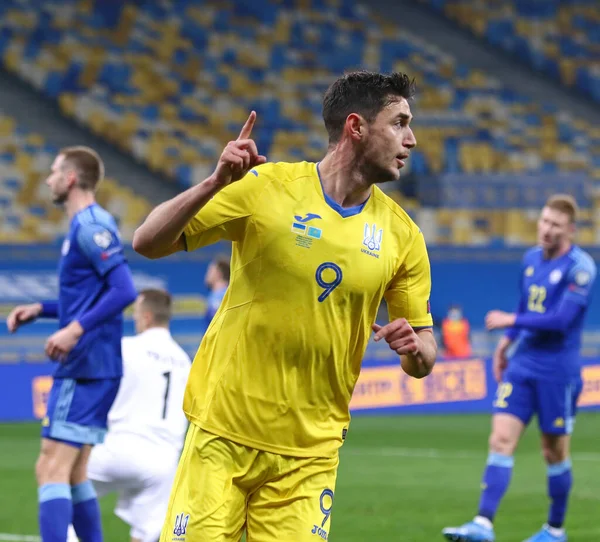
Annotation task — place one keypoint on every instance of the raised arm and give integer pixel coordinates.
(161, 233)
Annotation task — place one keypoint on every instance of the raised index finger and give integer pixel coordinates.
(247, 128)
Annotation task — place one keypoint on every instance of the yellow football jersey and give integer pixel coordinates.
(278, 364)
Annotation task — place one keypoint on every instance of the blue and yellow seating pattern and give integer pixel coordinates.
(27, 213)
(560, 38)
(170, 83)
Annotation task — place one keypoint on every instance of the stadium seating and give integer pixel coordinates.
(191, 72)
(28, 214)
(559, 38)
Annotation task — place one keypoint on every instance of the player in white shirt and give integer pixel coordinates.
(146, 424)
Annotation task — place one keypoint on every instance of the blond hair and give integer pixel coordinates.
(564, 203)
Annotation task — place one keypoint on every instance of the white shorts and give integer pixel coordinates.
(142, 473)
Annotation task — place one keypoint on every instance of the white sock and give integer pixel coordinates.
(554, 531)
(484, 522)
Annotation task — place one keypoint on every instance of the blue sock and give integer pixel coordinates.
(560, 479)
(496, 479)
(55, 511)
(86, 512)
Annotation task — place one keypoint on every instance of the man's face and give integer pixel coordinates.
(212, 275)
(389, 142)
(58, 181)
(554, 228)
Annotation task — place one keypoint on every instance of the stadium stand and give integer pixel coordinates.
(28, 214)
(559, 38)
(190, 73)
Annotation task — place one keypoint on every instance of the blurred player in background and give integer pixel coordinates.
(544, 373)
(315, 249)
(146, 426)
(216, 280)
(95, 285)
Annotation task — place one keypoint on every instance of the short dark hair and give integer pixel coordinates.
(158, 303)
(87, 164)
(223, 265)
(564, 203)
(365, 93)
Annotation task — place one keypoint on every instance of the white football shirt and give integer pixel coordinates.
(150, 398)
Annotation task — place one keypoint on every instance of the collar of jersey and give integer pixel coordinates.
(157, 330)
(344, 212)
(89, 208)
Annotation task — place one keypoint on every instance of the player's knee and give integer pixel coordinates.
(502, 443)
(78, 475)
(554, 455)
(49, 468)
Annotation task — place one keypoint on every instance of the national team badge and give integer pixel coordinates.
(529, 271)
(555, 276)
(373, 237)
(372, 240)
(181, 522)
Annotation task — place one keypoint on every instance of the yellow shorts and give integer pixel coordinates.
(222, 488)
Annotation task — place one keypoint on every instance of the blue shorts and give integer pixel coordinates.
(78, 409)
(555, 403)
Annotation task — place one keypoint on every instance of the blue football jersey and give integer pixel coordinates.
(544, 285)
(213, 303)
(91, 249)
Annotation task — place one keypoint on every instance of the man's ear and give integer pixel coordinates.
(355, 126)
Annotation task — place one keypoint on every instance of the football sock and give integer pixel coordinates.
(496, 480)
(560, 480)
(55, 511)
(86, 512)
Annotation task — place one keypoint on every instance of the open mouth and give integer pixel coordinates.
(401, 159)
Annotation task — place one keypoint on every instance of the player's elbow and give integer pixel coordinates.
(141, 244)
(416, 367)
(147, 245)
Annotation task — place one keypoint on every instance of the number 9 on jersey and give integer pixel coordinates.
(328, 286)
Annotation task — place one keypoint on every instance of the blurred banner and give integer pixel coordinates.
(453, 387)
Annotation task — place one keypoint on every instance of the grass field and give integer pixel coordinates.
(401, 479)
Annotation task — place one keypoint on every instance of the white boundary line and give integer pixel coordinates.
(8, 537)
(433, 453)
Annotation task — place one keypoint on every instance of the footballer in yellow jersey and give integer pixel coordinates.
(316, 247)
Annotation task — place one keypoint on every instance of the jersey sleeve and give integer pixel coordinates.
(408, 294)
(580, 281)
(513, 331)
(226, 215)
(101, 245)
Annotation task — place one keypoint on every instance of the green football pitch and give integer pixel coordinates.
(401, 478)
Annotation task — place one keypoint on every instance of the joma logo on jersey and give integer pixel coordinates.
(300, 227)
(181, 522)
(319, 531)
(372, 240)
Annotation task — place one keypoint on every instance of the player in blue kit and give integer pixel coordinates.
(217, 281)
(544, 373)
(95, 285)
